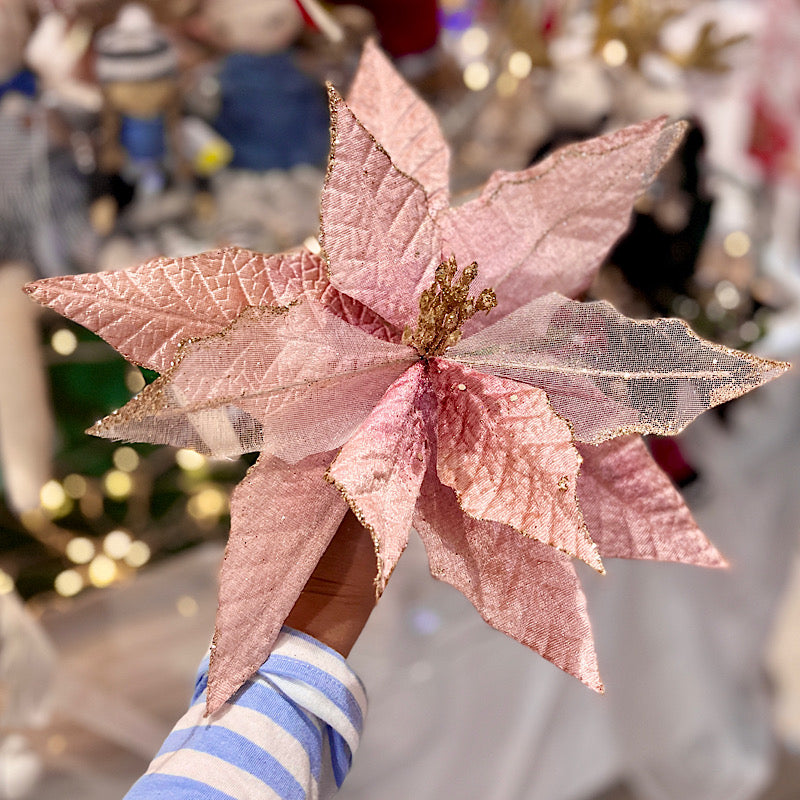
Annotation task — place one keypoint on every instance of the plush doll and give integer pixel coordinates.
(273, 115)
(137, 67)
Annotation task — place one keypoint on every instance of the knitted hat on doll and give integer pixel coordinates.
(134, 49)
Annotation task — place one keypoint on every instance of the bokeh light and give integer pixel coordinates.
(80, 550)
(64, 342)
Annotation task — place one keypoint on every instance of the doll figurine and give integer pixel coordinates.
(136, 66)
(272, 114)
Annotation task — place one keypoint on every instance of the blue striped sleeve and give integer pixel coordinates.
(290, 732)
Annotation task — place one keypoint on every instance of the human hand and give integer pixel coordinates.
(340, 594)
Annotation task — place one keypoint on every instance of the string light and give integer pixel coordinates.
(520, 64)
(736, 244)
(749, 331)
(116, 544)
(54, 500)
(474, 42)
(102, 571)
(208, 503)
(52, 496)
(75, 486)
(68, 583)
(727, 295)
(476, 76)
(125, 459)
(615, 54)
(80, 550)
(64, 342)
(189, 460)
(138, 554)
(134, 380)
(117, 484)
(506, 84)
(187, 606)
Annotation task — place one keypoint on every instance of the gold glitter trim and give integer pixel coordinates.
(380, 583)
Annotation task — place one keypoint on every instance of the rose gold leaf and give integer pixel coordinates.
(521, 587)
(509, 457)
(291, 383)
(380, 468)
(282, 519)
(632, 509)
(379, 240)
(550, 227)
(656, 375)
(401, 122)
(145, 312)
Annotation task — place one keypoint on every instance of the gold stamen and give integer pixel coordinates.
(444, 307)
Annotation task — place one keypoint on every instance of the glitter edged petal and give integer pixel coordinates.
(656, 375)
(282, 519)
(380, 468)
(509, 457)
(521, 587)
(145, 312)
(289, 382)
(377, 235)
(401, 122)
(633, 510)
(548, 228)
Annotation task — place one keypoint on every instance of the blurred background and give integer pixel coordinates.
(131, 131)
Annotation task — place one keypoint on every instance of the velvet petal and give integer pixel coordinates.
(509, 457)
(520, 586)
(401, 122)
(380, 469)
(633, 510)
(145, 312)
(377, 235)
(289, 382)
(282, 519)
(549, 228)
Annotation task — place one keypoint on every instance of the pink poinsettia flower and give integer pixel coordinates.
(501, 424)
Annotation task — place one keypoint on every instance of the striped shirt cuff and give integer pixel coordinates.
(290, 732)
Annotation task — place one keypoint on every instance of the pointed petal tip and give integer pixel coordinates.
(381, 576)
(218, 693)
(589, 676)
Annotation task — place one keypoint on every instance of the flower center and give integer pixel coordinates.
(445, 307)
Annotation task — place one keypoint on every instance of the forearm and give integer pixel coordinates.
(290, 732)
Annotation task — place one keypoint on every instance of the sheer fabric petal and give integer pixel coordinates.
(145, 312)
(633, 510)
(377, 235)
(520, 586)
(549, 227)
(291, 382)
(401, 122)
(282, 519)
(509, 457)
(380, 468)
(656, 375)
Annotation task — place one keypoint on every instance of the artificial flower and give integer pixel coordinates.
(501, 422)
